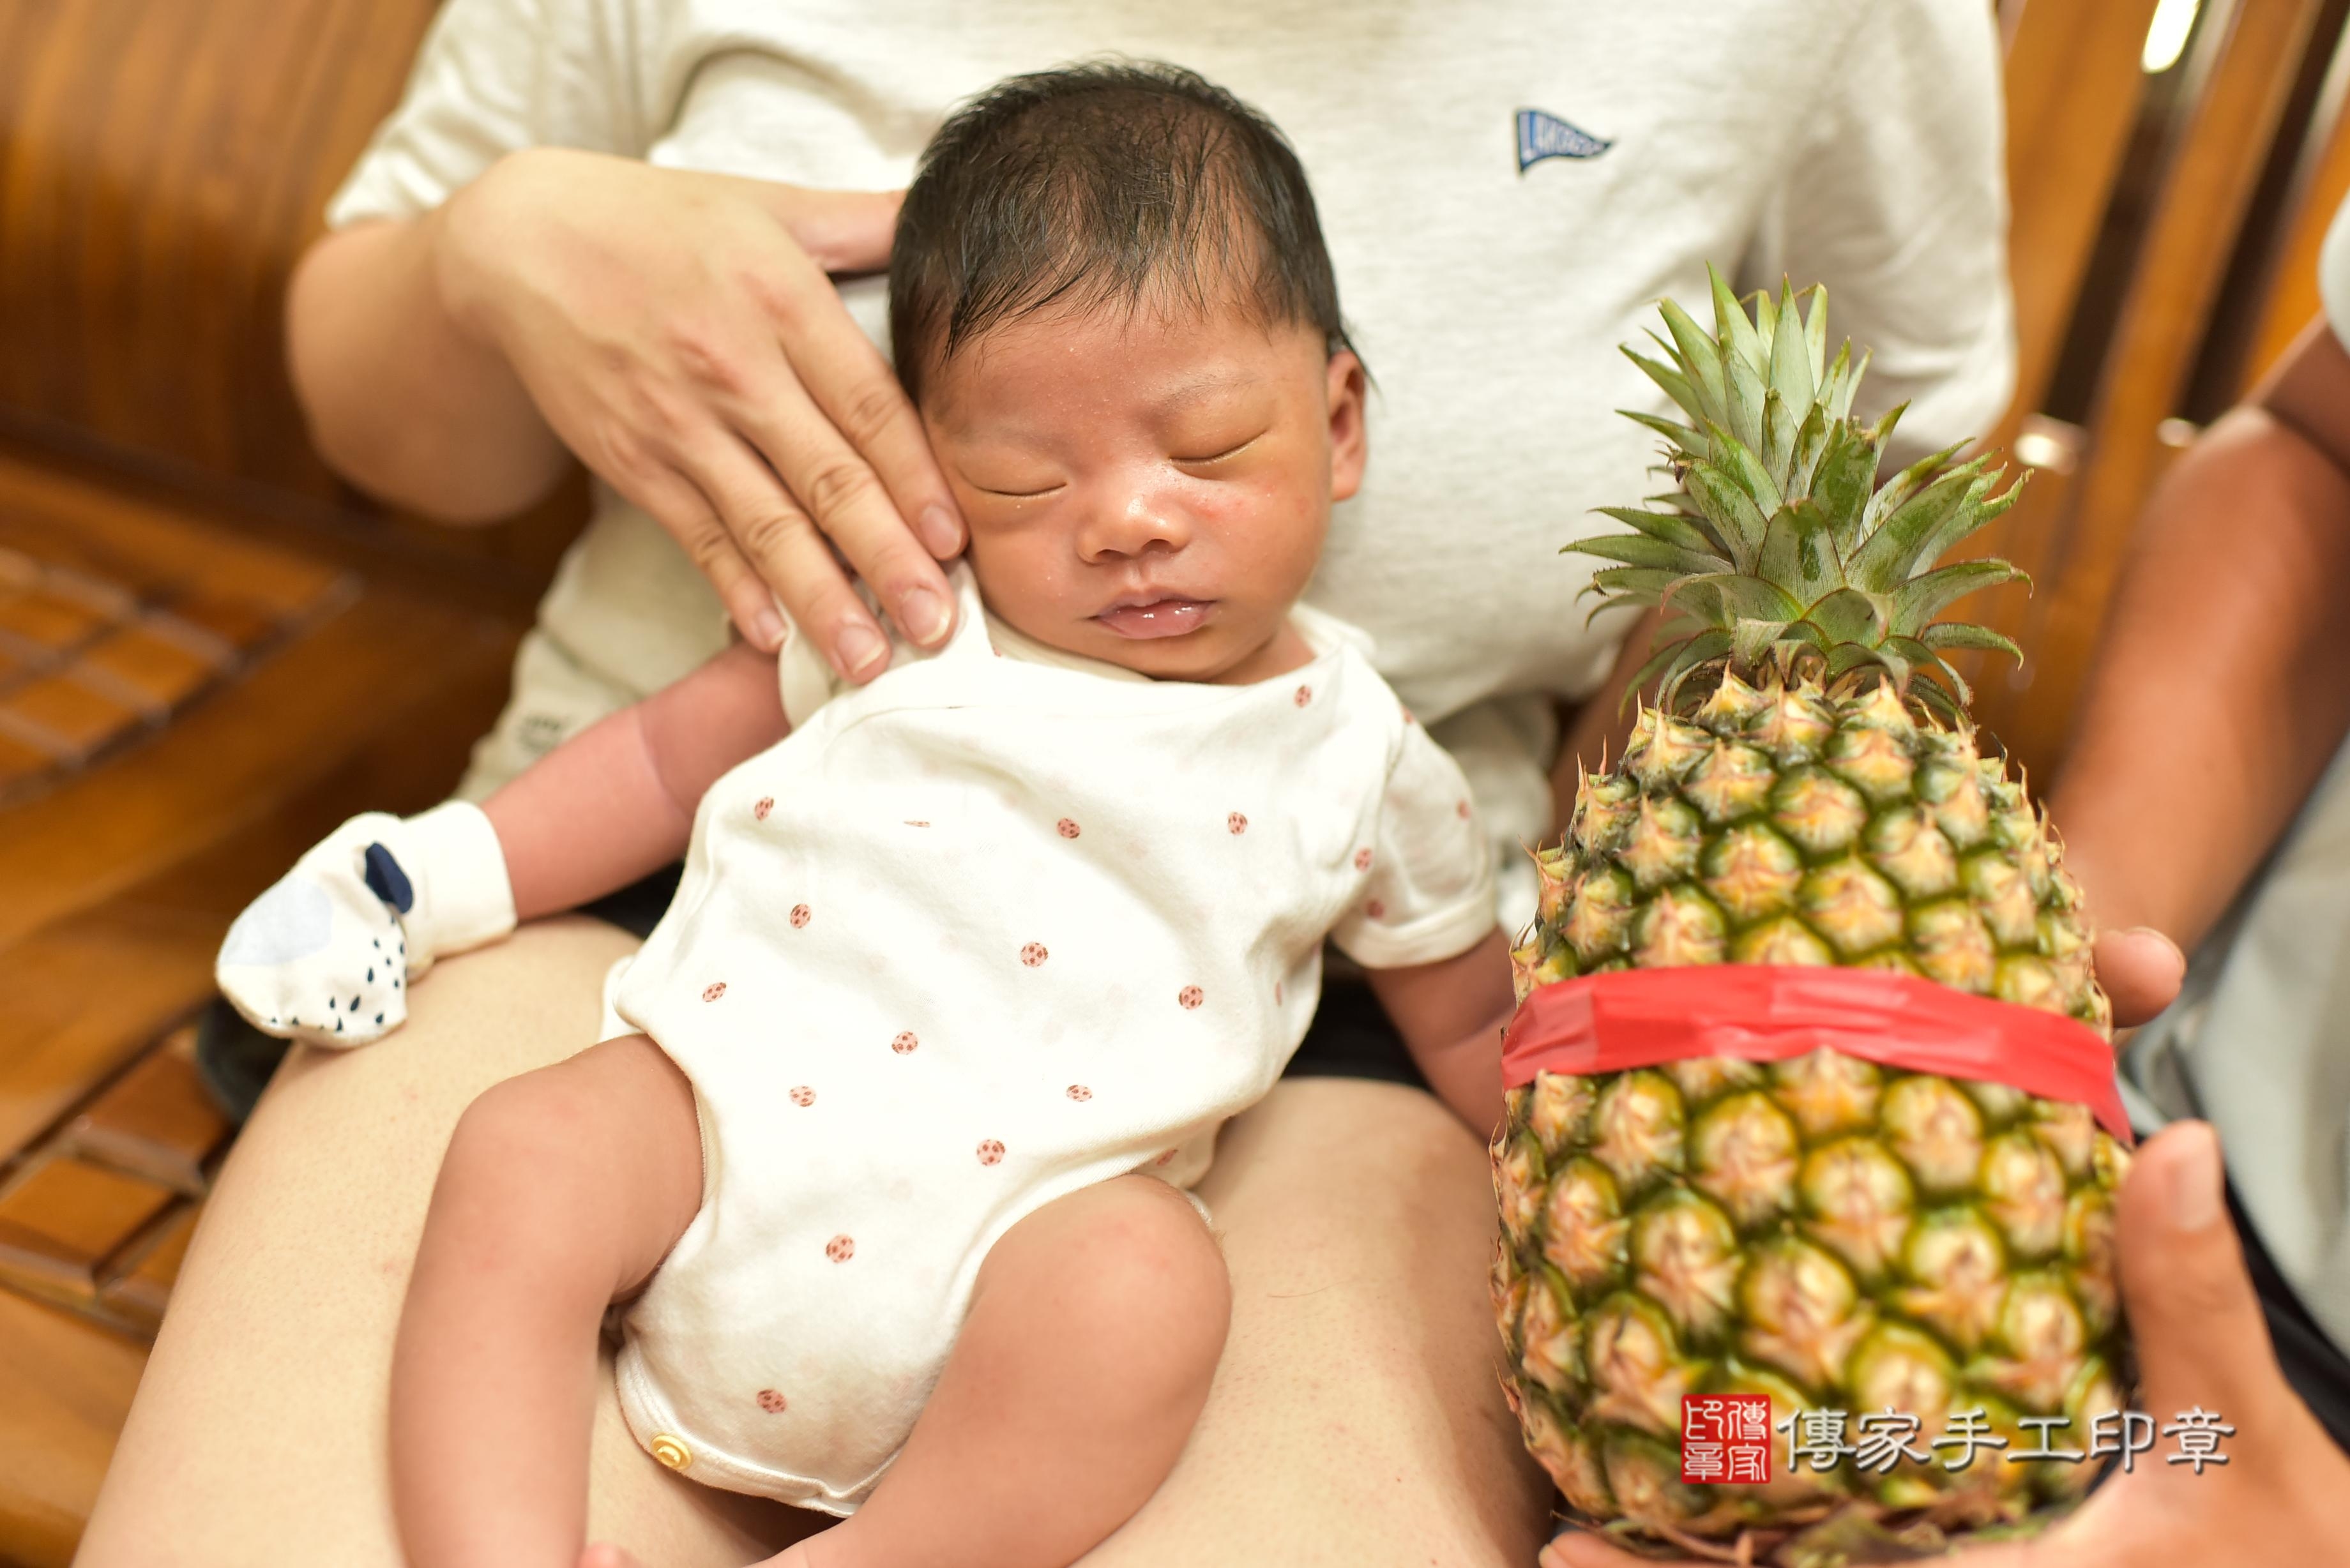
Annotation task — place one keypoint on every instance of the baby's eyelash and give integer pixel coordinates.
(1228, 451)
(1017, 494)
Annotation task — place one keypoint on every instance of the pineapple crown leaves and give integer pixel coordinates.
(1779, 548)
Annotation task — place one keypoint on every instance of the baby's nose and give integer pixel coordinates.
(1136, 524)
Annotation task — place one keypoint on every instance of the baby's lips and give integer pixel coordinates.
(1169, 617)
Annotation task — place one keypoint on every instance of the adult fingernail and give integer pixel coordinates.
(767, 630)
(858, 647)
(2195, 1178)
(924, 616)
(941, 535)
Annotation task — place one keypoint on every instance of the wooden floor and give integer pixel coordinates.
(183, 708)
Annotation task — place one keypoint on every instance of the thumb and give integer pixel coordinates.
(2141, 970)
(841, 231)
(2201, 1340)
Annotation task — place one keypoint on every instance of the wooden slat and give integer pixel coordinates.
(155, 672)
(238, 624)
(156, 1120)
(294, 717)
(165, 164)
(2190, 240)
(374, 709)
(70, 1385)
(2072, 88)
(46, 623)
(55, 518)
(61, 715)
(2320, 187)
(138, 1295)
(20, 762)
(61, 1218)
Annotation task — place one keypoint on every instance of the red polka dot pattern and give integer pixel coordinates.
(766, 803)
(1067, 829)
(1362, 859)
(771, 1402)
(1375, 909)
(990, 1152)
(1410, 717)
(800, 916)
(1189, 997)
(712, 992)
(1237, 823)
(840, 1249)
(1164, 1159)
(803, 1095)
(904, 1042)
(1305, 695)
(1464, 809)
(1034, 954)
(1276, 993)
(1080, 1092)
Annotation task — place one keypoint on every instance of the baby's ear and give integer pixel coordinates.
(1349, 435)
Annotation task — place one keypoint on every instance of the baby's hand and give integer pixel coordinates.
(325, 955)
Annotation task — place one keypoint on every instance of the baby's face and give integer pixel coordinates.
(1149, 491)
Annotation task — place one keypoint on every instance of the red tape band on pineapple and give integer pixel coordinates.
(1764, 1012)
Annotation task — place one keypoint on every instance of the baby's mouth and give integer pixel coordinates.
(1158, 618)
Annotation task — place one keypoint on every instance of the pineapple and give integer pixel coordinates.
(1807, 789)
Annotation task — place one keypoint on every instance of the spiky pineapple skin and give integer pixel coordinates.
(1833, 1233)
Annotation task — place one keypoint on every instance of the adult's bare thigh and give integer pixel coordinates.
(258, 1434)
(1355, 1419)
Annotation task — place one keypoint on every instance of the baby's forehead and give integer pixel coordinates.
(1205, 350)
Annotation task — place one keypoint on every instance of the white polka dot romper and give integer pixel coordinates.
(999, 926)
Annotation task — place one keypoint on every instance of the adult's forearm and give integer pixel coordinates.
(402, 398)
(2219, 691)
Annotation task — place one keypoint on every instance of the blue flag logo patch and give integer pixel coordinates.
(1543, 135)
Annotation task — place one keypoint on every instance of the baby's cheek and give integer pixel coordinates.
(1024, 582)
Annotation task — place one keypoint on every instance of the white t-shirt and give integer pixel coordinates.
(989, 930)
(1853, 142)
(2255, 1042)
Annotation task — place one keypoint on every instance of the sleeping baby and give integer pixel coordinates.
(881, 1175)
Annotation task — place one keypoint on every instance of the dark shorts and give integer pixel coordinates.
(1350, 1037)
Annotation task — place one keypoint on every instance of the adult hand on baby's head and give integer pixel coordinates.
(679, 332)
(2201, 1344)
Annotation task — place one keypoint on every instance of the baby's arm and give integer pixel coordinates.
(617, 800)
(1452, 1014)
(561, 1190)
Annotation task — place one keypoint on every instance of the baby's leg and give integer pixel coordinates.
(1072, 1386)
(561, 1189)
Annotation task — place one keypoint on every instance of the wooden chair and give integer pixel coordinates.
(209, 652)
(2225, 124)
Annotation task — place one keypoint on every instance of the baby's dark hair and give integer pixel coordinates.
(1111, 183)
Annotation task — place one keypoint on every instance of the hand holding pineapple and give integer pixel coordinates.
(1828, 1231)
(2201, 1343)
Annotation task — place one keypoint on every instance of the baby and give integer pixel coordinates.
(880, 1176)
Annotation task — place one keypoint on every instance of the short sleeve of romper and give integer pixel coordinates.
(1429, 894)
